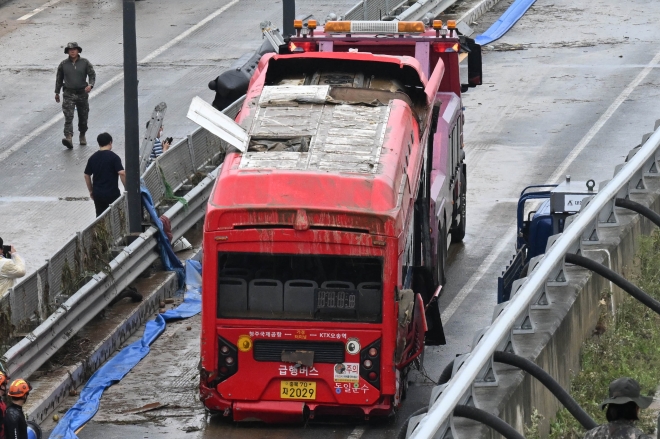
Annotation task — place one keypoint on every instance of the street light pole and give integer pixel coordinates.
(131, 120)
(288, 15)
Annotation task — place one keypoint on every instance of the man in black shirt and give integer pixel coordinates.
(15, 422)
(101, 172)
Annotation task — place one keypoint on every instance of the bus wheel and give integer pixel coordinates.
(458, 230)
(441, 260)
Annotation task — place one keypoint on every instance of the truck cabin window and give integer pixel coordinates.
(299, 287)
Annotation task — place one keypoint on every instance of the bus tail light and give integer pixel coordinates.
(370, 364)
(227, 360)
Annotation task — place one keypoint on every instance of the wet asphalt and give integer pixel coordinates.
(547, 108)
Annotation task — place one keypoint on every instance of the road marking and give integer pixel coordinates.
(554, 178)
(36, 11)
(115, 79)
(357, 432)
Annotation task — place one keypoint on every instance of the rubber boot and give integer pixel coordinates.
(68, 141)
(83, 141)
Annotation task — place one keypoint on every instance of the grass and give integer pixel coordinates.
(627, 344)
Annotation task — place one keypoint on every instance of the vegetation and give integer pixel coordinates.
(624, 344)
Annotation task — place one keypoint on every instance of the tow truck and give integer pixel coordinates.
(326, 235)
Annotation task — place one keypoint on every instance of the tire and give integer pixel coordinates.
(441, 262)
(458, 231)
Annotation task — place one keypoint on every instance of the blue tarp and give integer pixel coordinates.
(170, 261)
(118, 366)
(505, 22)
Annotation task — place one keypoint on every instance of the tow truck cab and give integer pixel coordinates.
(536, 226)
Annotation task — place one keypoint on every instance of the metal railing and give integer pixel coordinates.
(544, 271)
(373, 9)
(84, 268)
(396, 9)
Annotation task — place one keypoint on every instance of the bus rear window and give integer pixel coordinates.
(299, 287)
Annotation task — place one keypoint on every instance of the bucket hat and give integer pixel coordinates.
(72, 46)
(624, 390)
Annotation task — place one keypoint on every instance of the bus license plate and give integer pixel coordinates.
(298, 390)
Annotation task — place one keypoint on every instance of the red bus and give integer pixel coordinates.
(325, 242)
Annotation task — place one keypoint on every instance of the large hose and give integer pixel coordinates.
(464, 411)
(639, 208)
(616, 278)
(537, 372)
(544, 378)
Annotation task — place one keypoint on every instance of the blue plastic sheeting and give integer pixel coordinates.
(122, 363)
(170, 261)
(505, 22)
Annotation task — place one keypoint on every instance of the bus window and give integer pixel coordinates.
(299, 287)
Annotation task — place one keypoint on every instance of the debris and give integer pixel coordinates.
(188, 328)
(73, 392)
(169, 300)
(147, 408)
(161, 304)
(56, 418)
(162, 311)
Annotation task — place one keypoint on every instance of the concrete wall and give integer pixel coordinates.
(562, 328)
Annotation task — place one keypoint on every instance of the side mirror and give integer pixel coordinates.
(474, 63)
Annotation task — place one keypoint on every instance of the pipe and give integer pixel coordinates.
(639, 208)
(543, 377)
(616, 278)
(473, 413)
(482, 416)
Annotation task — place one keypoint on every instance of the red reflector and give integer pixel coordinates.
(441, 47)
(307, 46)
(372, 376)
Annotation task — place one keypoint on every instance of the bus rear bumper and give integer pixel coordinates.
(276, 412)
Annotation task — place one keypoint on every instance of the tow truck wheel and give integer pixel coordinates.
(458, 230)
(441, 260)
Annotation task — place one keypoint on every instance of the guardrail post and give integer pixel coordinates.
(191, 150)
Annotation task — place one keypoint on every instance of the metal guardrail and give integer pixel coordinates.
(396, 9)
(373, 9)
(545, 270)
(47, 296)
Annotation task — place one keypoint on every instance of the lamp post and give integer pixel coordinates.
(131, 121)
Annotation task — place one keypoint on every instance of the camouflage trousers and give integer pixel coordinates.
(72, 101)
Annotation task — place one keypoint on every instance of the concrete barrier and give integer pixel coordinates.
(562, 328)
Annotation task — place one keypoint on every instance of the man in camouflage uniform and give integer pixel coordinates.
(622, 411)
(72, 73)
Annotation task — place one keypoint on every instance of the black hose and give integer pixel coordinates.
(639, 208)
(465, 411)
(544, 378)
(537, 372)
(616, 278)
(404, 428)
(446, 373)
(481, 416)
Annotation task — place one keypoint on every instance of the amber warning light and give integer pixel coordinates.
(374, 27)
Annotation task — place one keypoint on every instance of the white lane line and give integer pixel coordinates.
(357, 432)
(559, 173)
(115, 79)
(39, 9)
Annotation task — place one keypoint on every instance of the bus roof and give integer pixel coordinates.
(328, 146)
